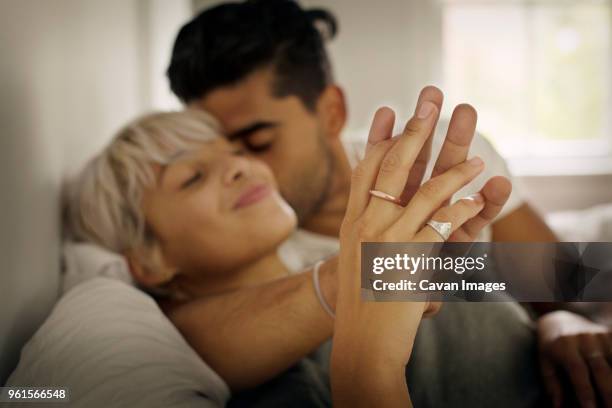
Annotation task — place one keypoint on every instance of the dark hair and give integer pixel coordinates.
(224, 44)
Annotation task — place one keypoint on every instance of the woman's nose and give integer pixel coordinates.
(237, 167)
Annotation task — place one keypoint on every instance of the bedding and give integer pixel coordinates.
(111, 345)
(83, 261)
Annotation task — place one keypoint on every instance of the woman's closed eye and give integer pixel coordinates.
(192, 179)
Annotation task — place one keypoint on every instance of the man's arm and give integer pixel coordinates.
(250, 335)
(522, 225)
(566, 341)
(526, 225)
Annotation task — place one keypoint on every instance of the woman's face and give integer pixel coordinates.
(214, 210)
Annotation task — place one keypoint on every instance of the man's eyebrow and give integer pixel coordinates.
(247, 130)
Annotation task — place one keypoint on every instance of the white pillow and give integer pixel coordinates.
(83, 261)
(111, 345)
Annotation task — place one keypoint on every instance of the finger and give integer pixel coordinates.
(415, 177)
(456, 214)
(578, 372)
(551, 381)
(434, 192)
(363, 178)
(496, 192)
(458, 139)
(395, 167)
(364, 174)
(606, 339)
(381, 128)
(602, 374)
(594, 352)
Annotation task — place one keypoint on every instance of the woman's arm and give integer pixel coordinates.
(366, 373)
(250, 335)
(373, 341)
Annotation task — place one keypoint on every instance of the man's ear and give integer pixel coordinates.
(148, 266)
(331, 107)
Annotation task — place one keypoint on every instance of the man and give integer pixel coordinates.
(261, 68)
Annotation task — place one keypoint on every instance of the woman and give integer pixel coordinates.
(199, 223)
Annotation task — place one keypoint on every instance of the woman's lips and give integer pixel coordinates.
(252, 195)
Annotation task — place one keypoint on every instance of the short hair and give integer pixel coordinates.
(226, 43)
(104, 201)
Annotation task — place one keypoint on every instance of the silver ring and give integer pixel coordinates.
(444, 229)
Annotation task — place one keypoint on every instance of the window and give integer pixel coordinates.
(539, 73)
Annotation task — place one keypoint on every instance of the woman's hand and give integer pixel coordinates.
(373, 341)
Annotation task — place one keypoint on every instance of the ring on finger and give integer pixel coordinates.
(386, 197)
(444, 229)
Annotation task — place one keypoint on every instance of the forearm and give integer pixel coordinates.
(599, 312)
(526, 225)
(250, 335)
(370, 385)
(522, 225)
(366, 369)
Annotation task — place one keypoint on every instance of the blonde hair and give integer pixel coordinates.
(104, 201)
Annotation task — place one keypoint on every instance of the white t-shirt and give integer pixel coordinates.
(304, 248)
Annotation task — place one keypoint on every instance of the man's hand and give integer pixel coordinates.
(581, 350)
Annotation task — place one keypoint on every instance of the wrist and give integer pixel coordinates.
(328, 281)
(369, 383)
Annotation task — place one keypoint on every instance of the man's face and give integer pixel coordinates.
(279, 131)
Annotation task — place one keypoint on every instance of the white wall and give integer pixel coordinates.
(385, 52)
(72, 73)
(164, 20)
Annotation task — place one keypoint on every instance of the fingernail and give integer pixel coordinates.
(476, 197)
(475, 161)
(425, 110)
